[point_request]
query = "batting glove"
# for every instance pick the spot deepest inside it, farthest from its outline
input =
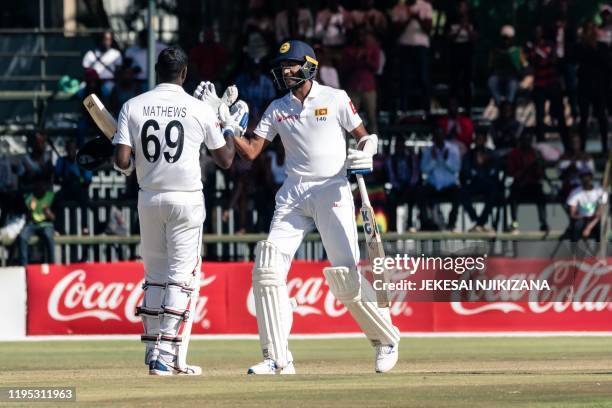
(360, 160)
(207, 93)
(235, 119)
(126, 172)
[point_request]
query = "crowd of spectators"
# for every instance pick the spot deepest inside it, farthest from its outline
(382, 58)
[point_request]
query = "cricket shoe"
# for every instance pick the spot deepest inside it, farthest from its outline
(160, 367)
(386, 358)
(269, 367)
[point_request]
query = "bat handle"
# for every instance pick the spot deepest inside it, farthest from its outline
(365, 200)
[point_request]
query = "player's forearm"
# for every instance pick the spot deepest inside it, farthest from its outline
(246, 148)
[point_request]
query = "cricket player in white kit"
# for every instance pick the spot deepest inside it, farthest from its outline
(311, 120)
(163, 130)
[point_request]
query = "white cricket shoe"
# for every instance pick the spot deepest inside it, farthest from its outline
(268, 367)
(160, 367)
(386, 357)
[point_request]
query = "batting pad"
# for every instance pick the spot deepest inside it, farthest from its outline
(344, 283)
(270, 294)
(149, 313)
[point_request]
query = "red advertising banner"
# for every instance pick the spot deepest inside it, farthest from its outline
(102, 298)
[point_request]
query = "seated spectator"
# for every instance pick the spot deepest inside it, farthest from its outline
(37, 162)
(505, 129)
(256, 88)
(360, 60)
(571, 164)
(208, 59)
(480, 178)
(138, 55)
(39, 220)
(457, 127)
(372, 19)
(586, 204)
(546, 84)
(525, 166)
(74, 185)
(104, 59)
(126, 87)
(8, 184)
(294, 23)
(604, 30)
(440, 165)
(593, 80)
(404, 175)
(506, 63)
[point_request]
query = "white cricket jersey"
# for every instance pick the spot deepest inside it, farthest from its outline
(165, 128)
(312, 133)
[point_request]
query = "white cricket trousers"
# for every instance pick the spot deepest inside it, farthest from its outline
(170, 234)
(325, 204)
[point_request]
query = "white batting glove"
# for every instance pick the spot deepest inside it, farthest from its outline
(235, 119)
(126, 172)
(361, 160)
(207, 93)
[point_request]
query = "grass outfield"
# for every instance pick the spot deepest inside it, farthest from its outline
(432, 372)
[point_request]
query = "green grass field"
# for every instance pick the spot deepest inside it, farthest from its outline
(432, 372)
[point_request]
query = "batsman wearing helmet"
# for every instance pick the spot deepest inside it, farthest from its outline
(311, 120)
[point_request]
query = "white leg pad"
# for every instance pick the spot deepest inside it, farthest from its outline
(270, 295)
(345, 285)
(149, 313)
(175, 321)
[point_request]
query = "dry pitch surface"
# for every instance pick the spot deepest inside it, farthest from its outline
(432, 372)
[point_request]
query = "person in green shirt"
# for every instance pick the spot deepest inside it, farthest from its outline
(40, 219)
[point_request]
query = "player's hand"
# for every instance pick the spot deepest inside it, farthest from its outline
(235, 119)
(207, 93)
(359, 161)
(126, 172)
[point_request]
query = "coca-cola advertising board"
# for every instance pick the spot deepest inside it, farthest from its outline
(102, 298)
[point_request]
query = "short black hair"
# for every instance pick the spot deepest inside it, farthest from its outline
(170, 63)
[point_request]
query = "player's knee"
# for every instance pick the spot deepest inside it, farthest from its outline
(268, 265)
(344, 283)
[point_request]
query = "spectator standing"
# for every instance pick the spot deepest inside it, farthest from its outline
(457, 127)
(546, 84)
(327, 73)
(372, 19)
(256, 89)
(564, 31)
(480, 177)
(37, 162)
(294, 22)
(361, 59)
(40, 219)
(104, 58)
(412, 19)
(604, 30)
(586, 204)
(138, 54)
(440, 165)
(505, 129)
(524, 165)
(331, 27)
(593, 79)
(209, 58)
(506, 63)
(462, 34)
(126, 87)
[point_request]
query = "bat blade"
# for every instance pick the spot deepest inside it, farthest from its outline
(100, 115)
(373, 241)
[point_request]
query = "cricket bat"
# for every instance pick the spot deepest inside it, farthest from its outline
(98, 112)
(373, 241)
